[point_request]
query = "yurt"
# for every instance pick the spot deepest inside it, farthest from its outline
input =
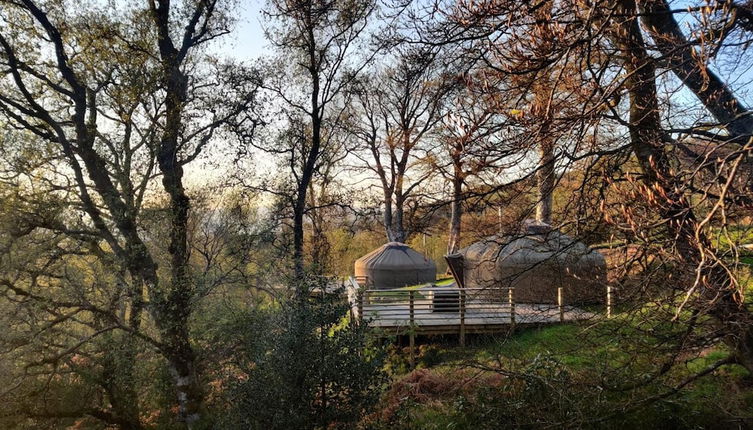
(395, 265)
(535, 262)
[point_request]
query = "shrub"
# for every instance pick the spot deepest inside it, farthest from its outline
(306, 367)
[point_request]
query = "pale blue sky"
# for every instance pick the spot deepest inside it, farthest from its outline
(247, 41)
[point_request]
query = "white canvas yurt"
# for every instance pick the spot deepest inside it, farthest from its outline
(535, 262)
(395, 265)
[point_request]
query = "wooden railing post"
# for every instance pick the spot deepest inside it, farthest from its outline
(512, 305)
(412, 328)
(462, 316)
(561, 304)
(359, 303)
(609, 302)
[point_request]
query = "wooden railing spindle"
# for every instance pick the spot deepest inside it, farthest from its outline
(412, 328)
(462, 316)
(359, 303)
(609, 302)
(512, 305)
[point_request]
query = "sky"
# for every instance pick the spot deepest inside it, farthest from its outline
(247, 42)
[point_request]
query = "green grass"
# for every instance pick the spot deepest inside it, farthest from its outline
(398, 293)
(564, 341)
(444, 282)
(734, 235)
(439, 283)
(616, 347)
(401, 292)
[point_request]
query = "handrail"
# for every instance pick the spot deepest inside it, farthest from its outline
(468, 295)
(425, 289)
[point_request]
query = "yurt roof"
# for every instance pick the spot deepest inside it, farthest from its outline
(394, 255)
(529, 247)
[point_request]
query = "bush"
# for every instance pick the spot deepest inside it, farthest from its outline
(306, 367)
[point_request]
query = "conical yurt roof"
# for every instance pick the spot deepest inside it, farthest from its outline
(395, 265)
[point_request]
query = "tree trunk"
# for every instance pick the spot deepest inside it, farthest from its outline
(704, 83)
(398, 228)
(307, 176)
(717, 289)
(545, 174)
(298, 209)
(174, 312)
(456, 213)
(173, 306)
(183, 371)
(387, 219)
(545, 179)
(311, 156)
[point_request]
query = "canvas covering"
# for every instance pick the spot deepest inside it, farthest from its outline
(536, 264)
(395, 265)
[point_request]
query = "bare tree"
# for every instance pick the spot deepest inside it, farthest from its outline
(691, 66)
(398, 112)
(317, 43)
(473, 138)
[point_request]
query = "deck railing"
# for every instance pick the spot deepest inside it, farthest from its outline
(436, 306)
(432, 304)
(435, 310)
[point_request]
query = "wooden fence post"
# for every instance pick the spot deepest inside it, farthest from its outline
(462, 316)
(609, 302)
(411, 333)
(561, 304)
(512, 305)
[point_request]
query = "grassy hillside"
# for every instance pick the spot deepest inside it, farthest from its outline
(564, 376)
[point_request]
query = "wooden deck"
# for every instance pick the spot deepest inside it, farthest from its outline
(452, 310)
(478, 318)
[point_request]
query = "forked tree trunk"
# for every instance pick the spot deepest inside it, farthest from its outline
(679, 54)
(173, 307)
